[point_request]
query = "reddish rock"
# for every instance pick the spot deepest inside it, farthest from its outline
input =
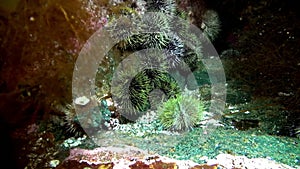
(124, 158)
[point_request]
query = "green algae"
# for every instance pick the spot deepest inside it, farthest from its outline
(243, 143)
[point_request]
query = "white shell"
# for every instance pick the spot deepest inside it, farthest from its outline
(82, 101)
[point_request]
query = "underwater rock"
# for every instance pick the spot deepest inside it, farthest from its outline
(127, 158)
(231, 161)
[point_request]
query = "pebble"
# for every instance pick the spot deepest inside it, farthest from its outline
(54, 163)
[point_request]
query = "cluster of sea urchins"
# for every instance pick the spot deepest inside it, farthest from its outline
(131, 93)
(134, 88)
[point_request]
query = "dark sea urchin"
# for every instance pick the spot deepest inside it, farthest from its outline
(165, 6)
(138, 32)
(71, 121)
(133, 96)
(210, 24)
(80, 119)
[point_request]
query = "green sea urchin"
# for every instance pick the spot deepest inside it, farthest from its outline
(181, 113)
